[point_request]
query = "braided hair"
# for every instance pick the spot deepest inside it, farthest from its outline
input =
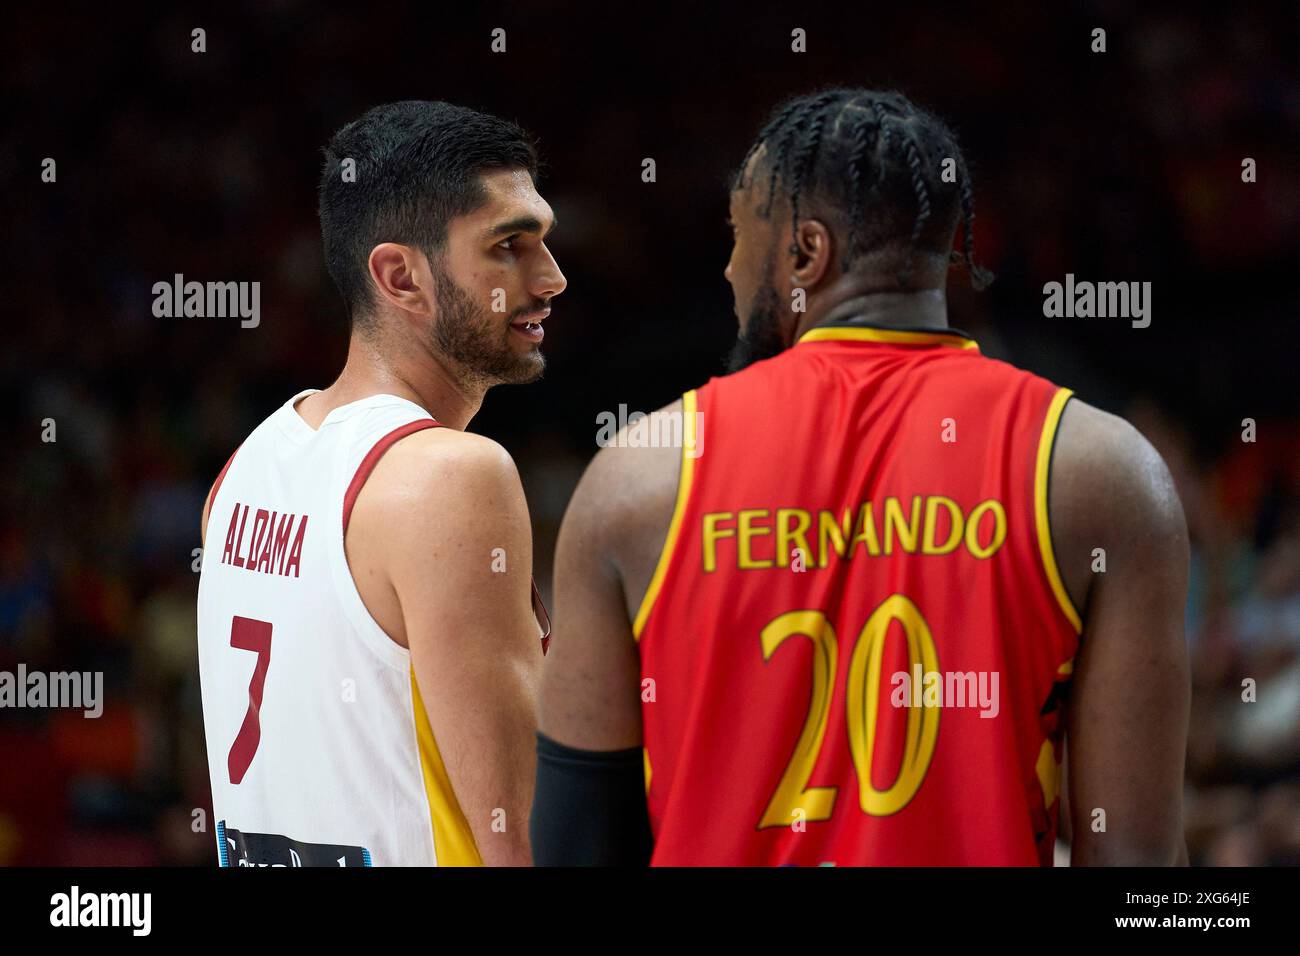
(875, 160)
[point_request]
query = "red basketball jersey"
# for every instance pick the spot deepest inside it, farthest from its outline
(856, 645)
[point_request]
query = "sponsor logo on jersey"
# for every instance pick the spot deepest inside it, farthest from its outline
(270, 849)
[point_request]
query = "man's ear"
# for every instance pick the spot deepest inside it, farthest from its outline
(402, 276)
(812, 249)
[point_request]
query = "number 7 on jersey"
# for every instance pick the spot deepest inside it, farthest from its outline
(247, 634)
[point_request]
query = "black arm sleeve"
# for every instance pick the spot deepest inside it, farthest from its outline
(589, 808)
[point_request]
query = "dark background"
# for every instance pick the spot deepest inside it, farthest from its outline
(1117, 166)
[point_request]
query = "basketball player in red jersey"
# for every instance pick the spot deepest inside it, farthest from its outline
(853, 619)
(390, 714)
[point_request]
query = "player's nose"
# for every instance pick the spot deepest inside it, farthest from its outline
(550, 280)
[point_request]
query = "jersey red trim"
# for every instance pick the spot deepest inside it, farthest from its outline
(368, 465)
(543, 616)
(372, 458)
(216, 485)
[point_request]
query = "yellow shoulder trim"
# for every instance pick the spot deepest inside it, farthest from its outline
(679, 511)
(1042, 518)
(887, 336)
(453, 841)
(1049, 774)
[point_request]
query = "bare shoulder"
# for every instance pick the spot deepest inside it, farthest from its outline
(439, 495)
(1103, 459)
(624, 503)
(634, 462)
(440, 470)
(1110, 489)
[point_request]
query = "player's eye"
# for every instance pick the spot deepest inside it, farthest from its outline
(508, 243)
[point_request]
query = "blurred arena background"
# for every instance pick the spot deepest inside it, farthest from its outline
(1118, 166)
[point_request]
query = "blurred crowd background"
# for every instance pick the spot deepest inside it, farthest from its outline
(1123, 165)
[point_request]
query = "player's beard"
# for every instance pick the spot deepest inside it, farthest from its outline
(477, 341)
(761, 337)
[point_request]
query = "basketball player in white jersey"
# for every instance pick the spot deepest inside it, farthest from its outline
(368, 628)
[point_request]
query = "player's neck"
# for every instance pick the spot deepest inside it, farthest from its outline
(417, 376)
(922, 309)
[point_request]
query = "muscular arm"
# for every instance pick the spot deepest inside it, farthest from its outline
(591, 806)
(421, 545)
(1128, 711)
(609, 545)
(589, 694)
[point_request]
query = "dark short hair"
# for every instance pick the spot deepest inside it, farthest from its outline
(875, 160)
(417, 167)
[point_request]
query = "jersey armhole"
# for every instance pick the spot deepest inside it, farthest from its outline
(1042, 511)
(377, 452)
(684, 480)
(211, 501)
(374, 636)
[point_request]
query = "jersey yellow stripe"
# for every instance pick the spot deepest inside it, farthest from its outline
(887, 336)
(1042, 517)
(453, 841)
(1049, 773)
(679, 510)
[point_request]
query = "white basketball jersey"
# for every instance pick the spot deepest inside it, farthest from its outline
(319, 749)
